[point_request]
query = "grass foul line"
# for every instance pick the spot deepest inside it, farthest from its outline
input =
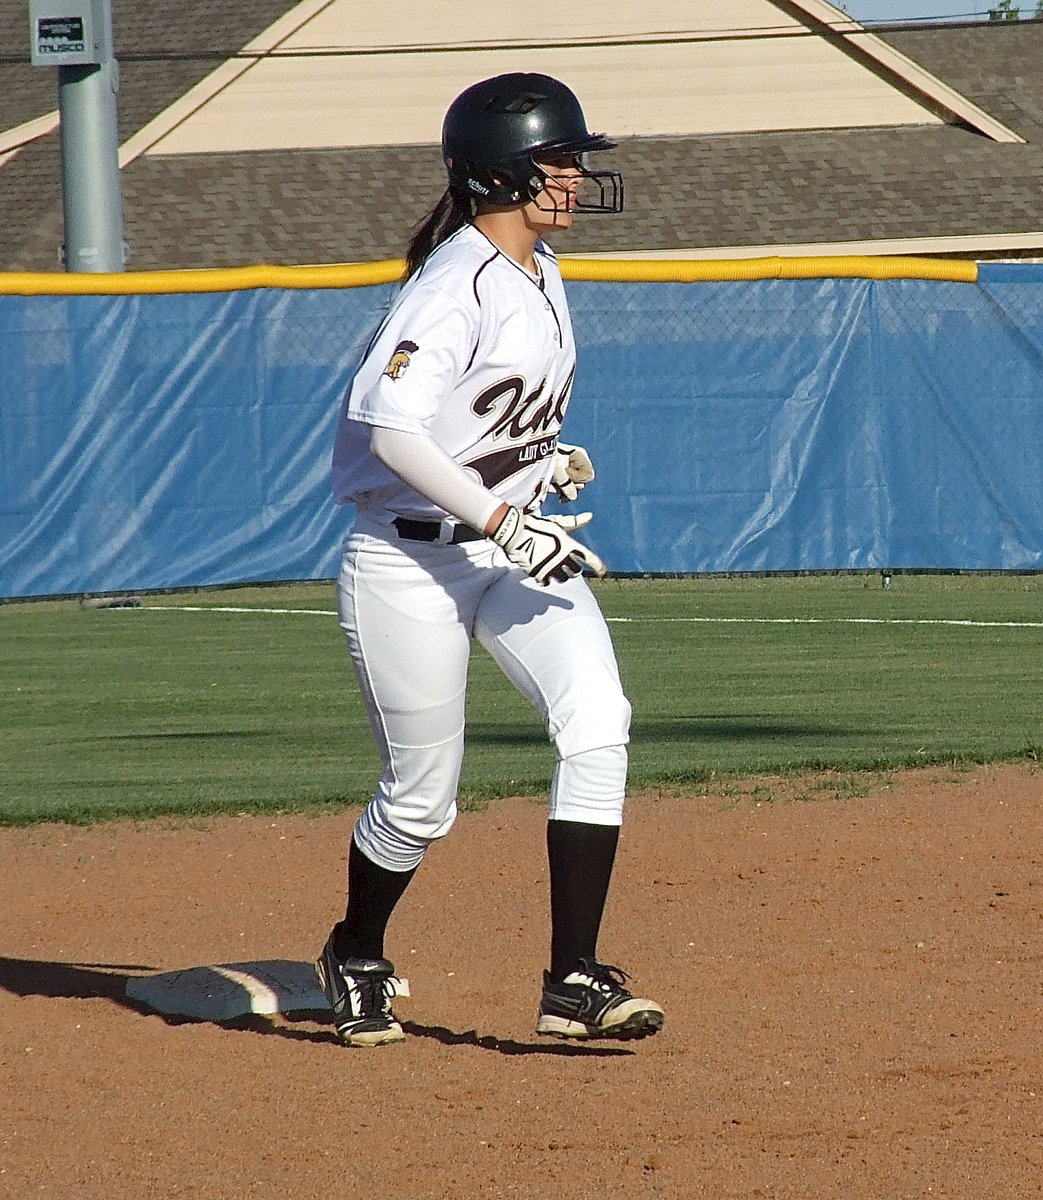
(327, 612)
(279, 612)
(834, 621)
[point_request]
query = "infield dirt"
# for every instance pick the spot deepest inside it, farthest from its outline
(851, 968)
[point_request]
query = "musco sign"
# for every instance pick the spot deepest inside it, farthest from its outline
(69, 32)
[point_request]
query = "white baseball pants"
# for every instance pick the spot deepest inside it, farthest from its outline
(409, 611)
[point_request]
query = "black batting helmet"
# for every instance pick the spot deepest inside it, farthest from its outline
(494, 132)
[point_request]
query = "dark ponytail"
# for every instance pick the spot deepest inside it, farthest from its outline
(452, 212)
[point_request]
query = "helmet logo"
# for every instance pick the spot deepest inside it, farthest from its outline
(399, 360)
(521, 104)
(475, 186)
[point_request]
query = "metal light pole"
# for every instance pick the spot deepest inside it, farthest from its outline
(76, 36)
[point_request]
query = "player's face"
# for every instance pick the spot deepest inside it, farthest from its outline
(553, 207)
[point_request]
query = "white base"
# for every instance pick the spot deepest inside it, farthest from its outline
(222, 993)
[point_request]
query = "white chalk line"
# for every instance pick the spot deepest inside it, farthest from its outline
(837, 621)
(279, 612)
(326, 612)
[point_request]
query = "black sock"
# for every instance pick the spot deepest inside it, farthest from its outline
(373, 892)
(581, 857)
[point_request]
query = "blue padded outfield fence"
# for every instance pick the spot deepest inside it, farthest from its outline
(179, 435)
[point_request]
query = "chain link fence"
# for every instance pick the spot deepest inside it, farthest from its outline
(155, 441)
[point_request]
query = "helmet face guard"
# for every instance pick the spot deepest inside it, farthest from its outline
(498, 135)
(599, 191)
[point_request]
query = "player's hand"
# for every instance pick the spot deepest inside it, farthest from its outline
(542, 546)
(573, 470)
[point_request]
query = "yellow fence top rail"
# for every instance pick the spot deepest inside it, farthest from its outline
(646, 270)
(216, 279)
(720, 270)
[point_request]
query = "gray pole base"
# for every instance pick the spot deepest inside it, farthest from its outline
(91, 191)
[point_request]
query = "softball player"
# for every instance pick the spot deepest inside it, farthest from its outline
(447, 446)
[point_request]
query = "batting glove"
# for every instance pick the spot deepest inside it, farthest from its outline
(573, 470)
(541, 546)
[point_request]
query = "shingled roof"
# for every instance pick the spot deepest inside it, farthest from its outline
(707, 193)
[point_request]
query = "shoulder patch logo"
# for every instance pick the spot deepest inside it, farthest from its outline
(400, 359)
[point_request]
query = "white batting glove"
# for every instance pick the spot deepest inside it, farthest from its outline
(573, 470)
(542, 547)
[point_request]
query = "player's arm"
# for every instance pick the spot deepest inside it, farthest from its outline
(539, 545)
(427, 468)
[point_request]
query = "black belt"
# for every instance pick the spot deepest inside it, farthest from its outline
(431, 531)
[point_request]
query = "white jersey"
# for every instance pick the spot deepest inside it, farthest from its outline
(476, 353)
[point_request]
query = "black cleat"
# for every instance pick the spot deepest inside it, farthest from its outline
(592, 1002)
(359, 991)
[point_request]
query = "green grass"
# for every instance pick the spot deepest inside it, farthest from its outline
(129, 712)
